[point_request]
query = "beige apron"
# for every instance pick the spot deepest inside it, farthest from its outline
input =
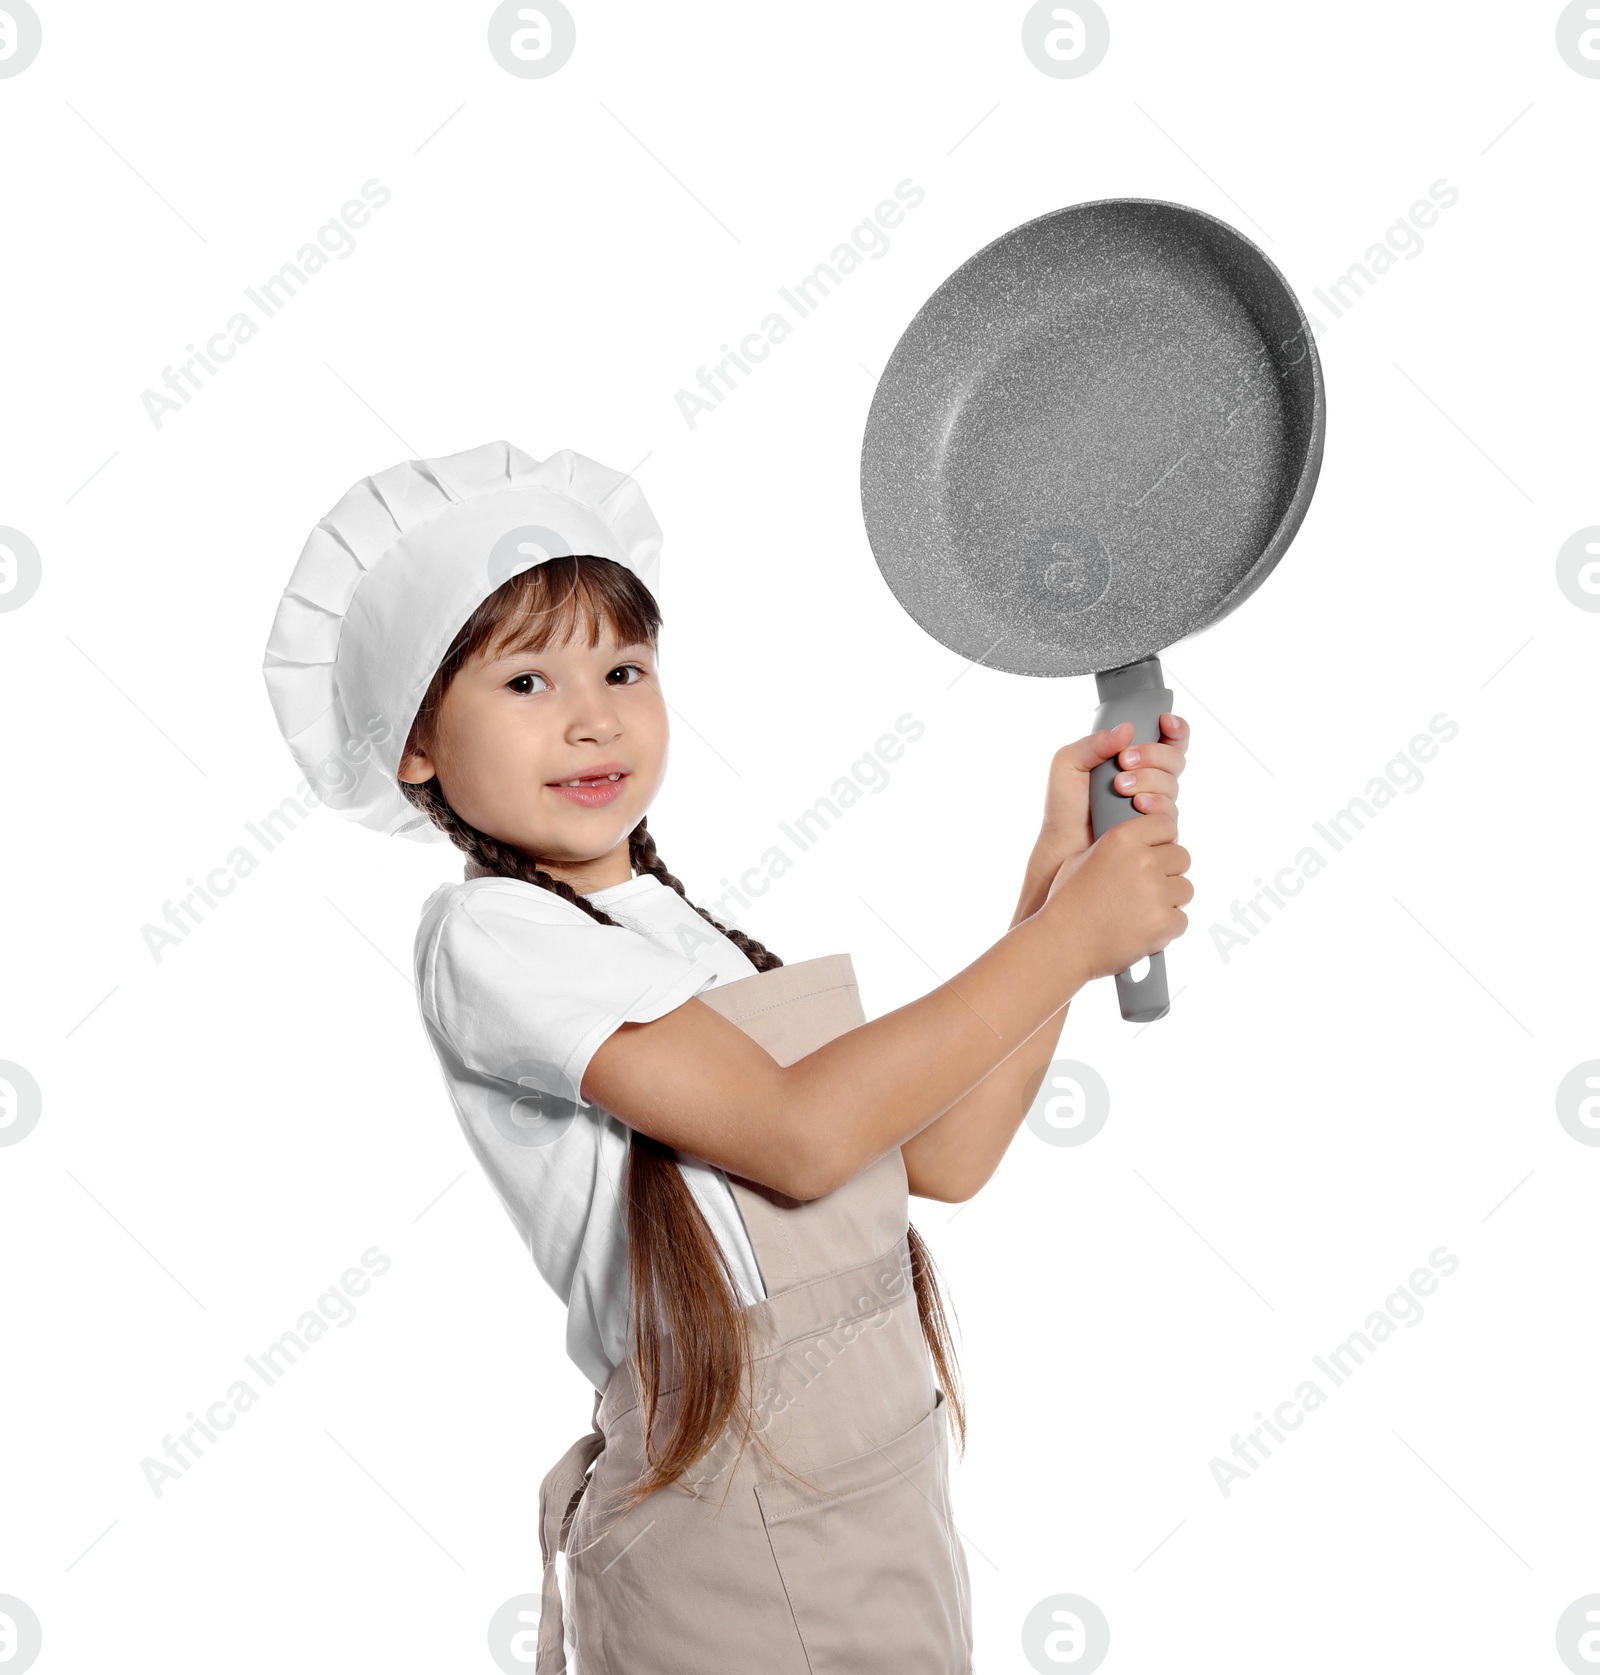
(864, 1573)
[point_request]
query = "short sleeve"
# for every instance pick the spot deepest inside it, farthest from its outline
(525, 989)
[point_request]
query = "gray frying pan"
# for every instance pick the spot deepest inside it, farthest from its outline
(1096, 437)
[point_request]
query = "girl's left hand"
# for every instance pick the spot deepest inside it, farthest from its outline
(1154, 769)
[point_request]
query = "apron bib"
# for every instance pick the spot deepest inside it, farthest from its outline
(857, 1570)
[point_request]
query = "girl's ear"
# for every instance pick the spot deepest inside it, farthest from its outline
(416, 767)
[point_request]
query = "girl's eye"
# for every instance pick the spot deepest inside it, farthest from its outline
(515, 683)
(622, 666)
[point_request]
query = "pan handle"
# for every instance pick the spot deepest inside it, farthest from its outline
(1135, 693)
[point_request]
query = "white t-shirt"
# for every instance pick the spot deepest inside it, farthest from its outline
(517, 990)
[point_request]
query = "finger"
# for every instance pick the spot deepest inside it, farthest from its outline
(1174, 857)
(1146, 779)
(1147, 754)
(1169, 751)
(1094, 748)
(1153, 802)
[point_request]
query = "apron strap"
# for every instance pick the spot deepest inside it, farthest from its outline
(559, 1495)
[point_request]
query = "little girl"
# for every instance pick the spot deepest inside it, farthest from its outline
(707, 1151)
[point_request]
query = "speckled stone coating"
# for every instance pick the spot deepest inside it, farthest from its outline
(1097, 436)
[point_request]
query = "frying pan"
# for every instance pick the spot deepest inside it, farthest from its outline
(1096, 437)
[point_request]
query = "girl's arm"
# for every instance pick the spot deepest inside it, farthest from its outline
(696, 1081)
(955, 1155)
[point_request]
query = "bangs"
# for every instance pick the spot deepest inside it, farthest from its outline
(542, 607)
(550, 604)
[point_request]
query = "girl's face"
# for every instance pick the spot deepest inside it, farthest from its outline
(514, 726)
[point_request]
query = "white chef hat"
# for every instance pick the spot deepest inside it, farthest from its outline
(385, 582)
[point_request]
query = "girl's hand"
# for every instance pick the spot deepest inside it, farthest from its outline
(1123, 897)
(1154, 786)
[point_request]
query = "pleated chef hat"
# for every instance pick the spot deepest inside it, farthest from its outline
(387, 578)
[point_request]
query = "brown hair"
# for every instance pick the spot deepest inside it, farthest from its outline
(673, 1255)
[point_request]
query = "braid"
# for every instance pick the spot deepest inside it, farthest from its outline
(503, 860)
(642, 848)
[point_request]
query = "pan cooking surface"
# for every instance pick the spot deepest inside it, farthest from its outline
(1096, 437)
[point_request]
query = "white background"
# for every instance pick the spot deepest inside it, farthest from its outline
(1373, 1076)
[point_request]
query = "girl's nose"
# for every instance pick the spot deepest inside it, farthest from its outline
(593, 719)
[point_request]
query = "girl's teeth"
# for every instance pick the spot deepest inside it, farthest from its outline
(609, 778)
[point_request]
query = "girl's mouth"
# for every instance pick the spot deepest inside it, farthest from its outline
(591, 793)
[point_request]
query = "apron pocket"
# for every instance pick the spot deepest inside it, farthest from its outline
(873, 1568)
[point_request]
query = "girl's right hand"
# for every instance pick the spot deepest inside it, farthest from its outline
(1120, 899)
